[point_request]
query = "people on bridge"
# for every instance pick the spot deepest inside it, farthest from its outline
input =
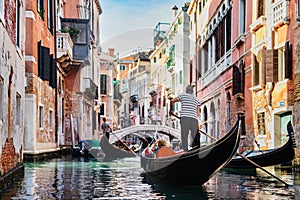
(190, 111)
(106, 128)
(132, 116)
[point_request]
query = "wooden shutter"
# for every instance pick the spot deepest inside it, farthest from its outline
(288, 60)
(46, 63)
(53, 73)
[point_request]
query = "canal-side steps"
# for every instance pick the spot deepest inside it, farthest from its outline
(32, 156)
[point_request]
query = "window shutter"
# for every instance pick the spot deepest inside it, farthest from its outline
(53, 73)
(288, 60)
(46, 63)
(40, 60)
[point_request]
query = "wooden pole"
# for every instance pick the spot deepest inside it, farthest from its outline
(252, 162)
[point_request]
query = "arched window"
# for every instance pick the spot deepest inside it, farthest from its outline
(218, 119)
(205, 117)
(228, 111)
(212, 120)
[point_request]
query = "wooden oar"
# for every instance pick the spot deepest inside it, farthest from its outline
(252, 162)
(123, 143)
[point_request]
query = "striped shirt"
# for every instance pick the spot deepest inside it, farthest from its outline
(189, 105)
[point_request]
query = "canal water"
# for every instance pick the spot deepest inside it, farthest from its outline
(67, 178)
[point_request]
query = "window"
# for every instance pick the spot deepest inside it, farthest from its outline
(102, 109)
(1, 98)
(63, 115)
(261, 123)
(228, 31)
(122, 67)
(260, 8)
(154, 60)
(18, 109)
(298, 10)
(228, 112)
(51, 119)
(41, 116)
(2, 11)
(40, 8)
(258, 78)
(18, 25)
(281, 64)
(50, 15)
(242, 17)
(103, 87)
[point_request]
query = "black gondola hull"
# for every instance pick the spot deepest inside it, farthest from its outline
(265, 158)
(195, 166)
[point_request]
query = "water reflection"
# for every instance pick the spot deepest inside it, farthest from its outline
(123, 179)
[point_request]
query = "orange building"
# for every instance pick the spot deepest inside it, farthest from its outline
(40, 131)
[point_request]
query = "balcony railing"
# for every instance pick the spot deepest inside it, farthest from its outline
(64, 44)
(280, 12)
(91, 89)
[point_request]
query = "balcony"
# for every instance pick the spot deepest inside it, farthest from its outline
(260, 22)
(117, 94)
(91, 89)
(64, 45)
(280, 12)
(152, 88)
(80, 34)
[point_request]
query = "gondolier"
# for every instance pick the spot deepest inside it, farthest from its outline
(190, 110)
(106, 128)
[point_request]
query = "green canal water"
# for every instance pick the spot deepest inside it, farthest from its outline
(67, 178)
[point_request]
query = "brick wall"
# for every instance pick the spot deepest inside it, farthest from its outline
(296, 110)
(9, 159)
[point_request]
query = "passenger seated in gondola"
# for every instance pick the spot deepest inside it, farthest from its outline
(161, 149)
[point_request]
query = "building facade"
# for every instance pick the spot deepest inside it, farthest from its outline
(40, 132)
(12, 90)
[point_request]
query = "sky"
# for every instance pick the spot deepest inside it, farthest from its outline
(127, 25)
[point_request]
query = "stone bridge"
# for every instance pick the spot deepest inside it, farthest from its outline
(145, 130)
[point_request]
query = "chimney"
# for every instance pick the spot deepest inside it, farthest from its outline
(111, 52)
(175, 10)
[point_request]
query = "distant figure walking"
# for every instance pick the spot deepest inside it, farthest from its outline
(106, 128)
(132, 117)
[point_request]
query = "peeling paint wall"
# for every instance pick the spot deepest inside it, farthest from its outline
(12, 73)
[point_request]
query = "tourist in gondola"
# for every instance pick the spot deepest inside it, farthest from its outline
(161, 149)
(190, 110)
(106, 128)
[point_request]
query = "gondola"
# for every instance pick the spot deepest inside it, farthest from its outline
(88, 149)
(113, 152)
(197, 165)
(265, 158)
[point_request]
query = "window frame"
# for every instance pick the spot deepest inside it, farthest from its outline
(242, 18)
(281, 63)
(41, 117)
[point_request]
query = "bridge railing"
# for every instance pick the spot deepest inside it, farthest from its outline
(144, 128)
